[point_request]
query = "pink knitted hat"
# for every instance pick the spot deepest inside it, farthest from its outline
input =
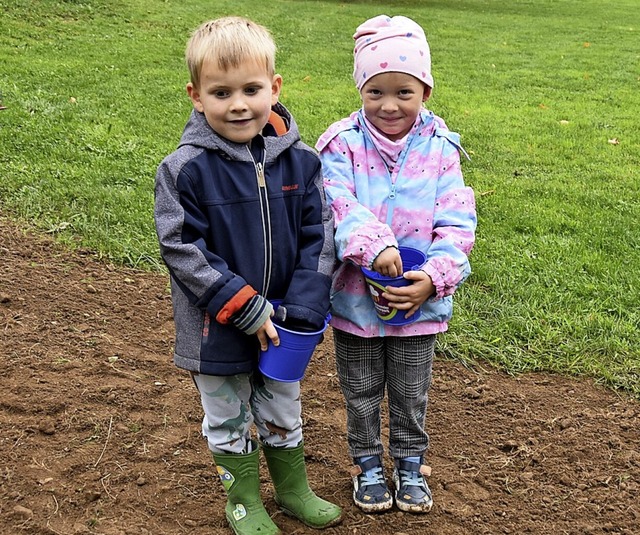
(391, 44)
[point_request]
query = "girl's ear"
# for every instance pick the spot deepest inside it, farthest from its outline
(194, 95)
(427, 93)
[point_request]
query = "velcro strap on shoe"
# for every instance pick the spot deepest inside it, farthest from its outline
(374, 462)
(355, 471)
(409, 466)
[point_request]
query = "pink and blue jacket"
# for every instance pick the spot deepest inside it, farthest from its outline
(422, 203)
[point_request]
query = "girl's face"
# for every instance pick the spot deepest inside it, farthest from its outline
(392, 101)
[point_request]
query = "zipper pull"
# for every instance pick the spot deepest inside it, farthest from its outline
(392, 193)
(260, 172)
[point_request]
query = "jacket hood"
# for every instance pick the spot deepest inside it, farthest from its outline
(198, 133)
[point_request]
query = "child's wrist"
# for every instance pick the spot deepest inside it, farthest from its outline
(253, 315)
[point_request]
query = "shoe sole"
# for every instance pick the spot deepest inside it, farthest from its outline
(373, 507)
(414, 507)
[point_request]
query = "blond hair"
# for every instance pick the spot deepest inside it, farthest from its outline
(229, 42)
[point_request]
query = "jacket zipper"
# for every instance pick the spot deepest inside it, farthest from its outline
(260, 173)
(266, 222)
(392, 185)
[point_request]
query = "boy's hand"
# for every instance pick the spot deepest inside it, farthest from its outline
(267, 332)
(388, 262)
(410, 298)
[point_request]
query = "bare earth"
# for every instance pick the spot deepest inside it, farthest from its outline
(100, 432)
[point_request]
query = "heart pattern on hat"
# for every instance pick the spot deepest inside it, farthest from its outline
(391, 44)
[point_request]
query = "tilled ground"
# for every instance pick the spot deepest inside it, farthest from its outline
(100, 432)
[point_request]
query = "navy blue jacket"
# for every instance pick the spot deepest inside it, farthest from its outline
(228, 215)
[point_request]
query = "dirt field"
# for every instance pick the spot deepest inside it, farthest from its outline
(100, 432)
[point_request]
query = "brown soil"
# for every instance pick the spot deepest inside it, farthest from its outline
(100, 432)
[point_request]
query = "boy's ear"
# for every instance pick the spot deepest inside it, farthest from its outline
(194, 95)
(427, 93)
(276, 87)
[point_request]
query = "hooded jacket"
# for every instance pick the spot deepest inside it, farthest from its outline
(235, 220)
(422, 203)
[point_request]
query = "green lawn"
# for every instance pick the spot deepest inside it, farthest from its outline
(546, 95)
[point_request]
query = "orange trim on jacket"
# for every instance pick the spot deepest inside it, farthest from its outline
(234, 304)
(278, 123)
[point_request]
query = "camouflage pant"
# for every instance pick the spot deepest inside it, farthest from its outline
(233, 403)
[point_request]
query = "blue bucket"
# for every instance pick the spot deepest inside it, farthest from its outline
(411, 259)
(288, 361)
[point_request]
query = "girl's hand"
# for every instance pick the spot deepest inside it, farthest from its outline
(388, 262)
(267, 332)
(411, 297)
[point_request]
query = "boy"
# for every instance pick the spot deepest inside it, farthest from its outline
(241, 220)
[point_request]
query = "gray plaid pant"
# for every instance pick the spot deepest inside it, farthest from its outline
(365, 367)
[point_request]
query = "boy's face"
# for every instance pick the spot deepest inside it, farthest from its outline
(392, 101)
(236, 102)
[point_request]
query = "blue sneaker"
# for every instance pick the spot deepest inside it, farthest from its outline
(370, 491)
(412, 493)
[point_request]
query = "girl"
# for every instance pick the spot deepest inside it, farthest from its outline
(392, 177)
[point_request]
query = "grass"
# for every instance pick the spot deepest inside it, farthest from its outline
(545, 94)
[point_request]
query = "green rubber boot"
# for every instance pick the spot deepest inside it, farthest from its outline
(292, 492)
(244, 510)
